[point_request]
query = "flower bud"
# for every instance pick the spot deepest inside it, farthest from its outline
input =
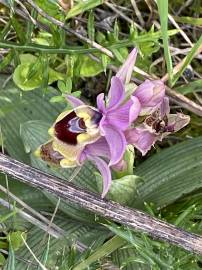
(150, 95)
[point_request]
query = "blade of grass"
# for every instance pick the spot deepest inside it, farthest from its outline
(10, 265)
(34, 256)
(106, 249)
(187, 60)
(83, 6)
(189, 20)
(163, 13)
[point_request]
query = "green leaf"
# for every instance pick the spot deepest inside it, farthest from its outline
(187, 60)
(58, 99)
(11, 261)
(106, 249)
(29, 105)
(7, 60)
(191, 87)
(2, 259)
(189, 20)
(50, 7)
(38, 242)
(89, 67)
(30, 73)
(18, 29)
(170, 174)
(65, 86)
(83, 6)
(163, 12)
(3, 245)
(15, 239)
(122, 190)
(105, 61)
(91, 26)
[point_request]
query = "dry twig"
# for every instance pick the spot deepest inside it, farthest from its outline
(135, 219)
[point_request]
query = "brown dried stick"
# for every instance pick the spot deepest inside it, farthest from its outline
(135, 219)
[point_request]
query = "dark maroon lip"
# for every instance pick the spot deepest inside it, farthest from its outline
(69, 128)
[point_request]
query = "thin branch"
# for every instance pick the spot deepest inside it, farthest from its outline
(63, 26)
(122, 15)
(31, 219)
(135, 219)
(137, 12)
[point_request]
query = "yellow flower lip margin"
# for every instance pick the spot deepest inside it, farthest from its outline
(70, 153)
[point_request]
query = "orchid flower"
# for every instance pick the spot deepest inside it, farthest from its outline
(85, 133)
(156, 127)
(102, 134)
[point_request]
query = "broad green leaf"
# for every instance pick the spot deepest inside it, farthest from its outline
(37, 241)
(89, 67)
(29, 105)
(26, 58)
(30, 73)
(170, 174)
(50, 7)
(122, 190)
(13, 114)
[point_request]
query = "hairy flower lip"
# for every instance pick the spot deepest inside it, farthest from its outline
(156, 127)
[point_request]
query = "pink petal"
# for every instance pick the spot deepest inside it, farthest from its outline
(105, 172)
(141, 138)
(150, 95)
(164, 107)
(134, 109)
(123, 116)
(120, 166)
(116, 93)
(101, 103)
(125, 72)
(75, 102)
(98, 148)
(117, 143)
(144, 92)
